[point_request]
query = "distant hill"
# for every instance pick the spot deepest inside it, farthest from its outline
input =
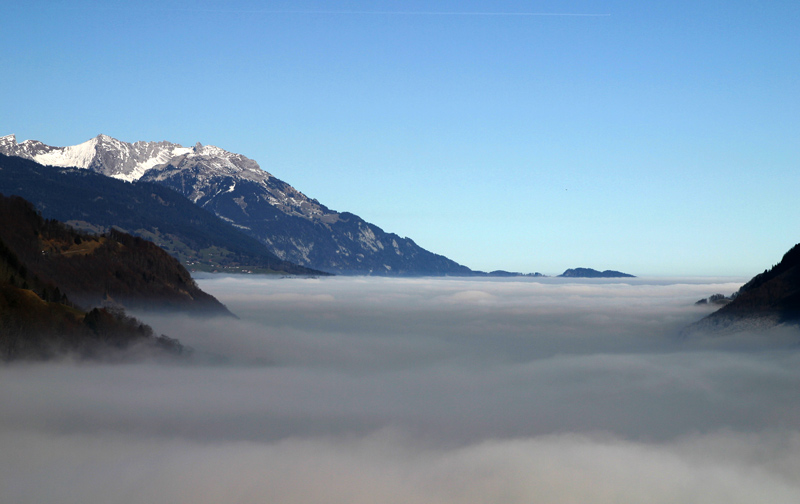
(592, 273)
(85, 199)
(93, 270)
(768, 299)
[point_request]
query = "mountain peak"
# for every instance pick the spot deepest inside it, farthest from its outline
(103, 154)
(105, 139)
(293, 226)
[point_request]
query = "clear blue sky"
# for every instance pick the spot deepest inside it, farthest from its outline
(649, 137)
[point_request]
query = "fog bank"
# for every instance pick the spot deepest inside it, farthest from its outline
(419, 390)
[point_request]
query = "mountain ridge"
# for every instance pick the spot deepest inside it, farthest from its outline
(97, 203)
(293, 226)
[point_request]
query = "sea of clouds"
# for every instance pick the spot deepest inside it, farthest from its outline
(376, 390)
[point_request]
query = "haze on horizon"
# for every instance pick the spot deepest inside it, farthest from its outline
(364, 390)
(654, 138)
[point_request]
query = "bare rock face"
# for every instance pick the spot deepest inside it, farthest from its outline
(293, 226)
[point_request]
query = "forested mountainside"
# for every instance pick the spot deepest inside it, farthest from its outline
(32, 328)
(91, 201)
(38, 321)
(768, 299)
(113, 267)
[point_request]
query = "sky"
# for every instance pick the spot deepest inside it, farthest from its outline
(654, 138)
(418, 391)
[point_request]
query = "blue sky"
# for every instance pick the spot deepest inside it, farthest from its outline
(656, 138)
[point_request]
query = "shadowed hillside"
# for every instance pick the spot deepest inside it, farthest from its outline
(768, 299)
(113, 267)
(38, 321)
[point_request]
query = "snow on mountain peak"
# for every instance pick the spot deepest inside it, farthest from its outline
(102, 153)
(129, 162)
(8, 144)
(79, 156)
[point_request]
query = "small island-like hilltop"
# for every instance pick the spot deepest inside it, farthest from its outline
(593, 273)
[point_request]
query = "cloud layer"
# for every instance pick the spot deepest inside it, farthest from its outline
(424, 390)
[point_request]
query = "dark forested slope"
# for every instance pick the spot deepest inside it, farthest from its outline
(768, 299)
(92, 270)
(38, 321)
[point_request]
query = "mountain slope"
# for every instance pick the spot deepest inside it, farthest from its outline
(32, 328)
(768, 299)
(39, 321)
(294, 227)
(93, 270)
(86, 199)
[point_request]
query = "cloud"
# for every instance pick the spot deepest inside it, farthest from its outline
(388, 468)
(408, 322)
(418, 390)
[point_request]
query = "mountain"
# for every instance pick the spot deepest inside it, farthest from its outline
(39, 321)
(592, 273)
(94, 202)
(32, 328)
(101, 154)
(768, 299)
(93, 270)
(293, 226)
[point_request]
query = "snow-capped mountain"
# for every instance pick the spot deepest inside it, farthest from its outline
(205, 165)
(294, 227)
(102, 154)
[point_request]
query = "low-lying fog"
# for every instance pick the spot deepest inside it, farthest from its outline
(373, 390)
